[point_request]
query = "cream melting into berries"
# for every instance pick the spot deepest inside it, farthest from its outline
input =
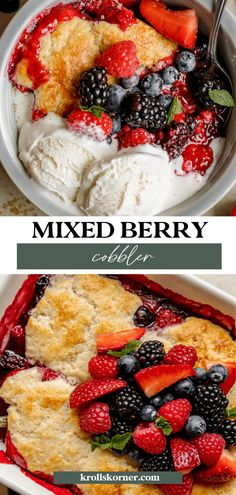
(178, 107)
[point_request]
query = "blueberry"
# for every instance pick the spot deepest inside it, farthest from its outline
(185, 388)
(129, 82)
(152, 84)
(165, 100)
(148, 413)
(136, 455)
(167, 398)
(128, 366)
(115, 98)
(157, 402)
(195, 426)
(185, 61)
(170, 75)
(143, 317)
(200, 376)
(217, 373)
(116, 124)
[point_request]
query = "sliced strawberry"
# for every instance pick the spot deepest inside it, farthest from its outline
(184, 489)
(154, 379)
(224, 470)
(13, 313)
(180, 26)
(117, 340)
(92, 389)
(185, 455)
(231, 378)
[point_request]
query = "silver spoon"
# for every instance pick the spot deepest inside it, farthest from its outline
(213, 38)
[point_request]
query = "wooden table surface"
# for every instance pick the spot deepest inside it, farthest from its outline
(13, 202)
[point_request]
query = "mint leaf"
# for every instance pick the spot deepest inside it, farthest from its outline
(102, 441)
(133, 345)
(176, 107)
(164, 425)
(119, 442)
(222, 97)
(230, 413)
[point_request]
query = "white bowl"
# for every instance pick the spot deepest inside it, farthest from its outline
(188, 286)
(219, 183)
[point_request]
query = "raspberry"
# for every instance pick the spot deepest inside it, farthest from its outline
(128, 137)
(149, 438)
(120, 60)
(166, 317)
(185, 455)
(95, 418)
(111, 11)
(210, 447)
(181, 354)
(197, 158)
(92, 122)
(103, 367)
(177, 413)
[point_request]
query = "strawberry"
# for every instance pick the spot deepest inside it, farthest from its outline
(224, 470)
(184, 489)
(233, 212)
(149, 438)
(120, 59)
(93, 122)
(181, 354)
(49, 375)
(177, 413)
(166, 317)
(95, 418)
(180, 26)
(129, 137)
(103, 367)
(231, 378)
(154, 379)
(13, 313)
(92, 389)
(117, 340)
(210, 447)
(185, 455)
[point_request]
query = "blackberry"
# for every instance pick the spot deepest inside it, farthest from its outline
(128, 403)
(175, 139)
(204, 81)
(10, 361)
(41, 286)
(210, 403)
(93, 88)
(145, 111)
(120, 426)
(162, 462)
(228, 432)
(150, 353)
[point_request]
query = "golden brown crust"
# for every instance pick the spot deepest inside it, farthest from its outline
(62, 330)
(73, 48)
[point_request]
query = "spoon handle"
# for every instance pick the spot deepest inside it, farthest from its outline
(212, 47)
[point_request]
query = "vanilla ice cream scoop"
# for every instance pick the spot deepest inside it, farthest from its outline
(55, 157)
(132, 183)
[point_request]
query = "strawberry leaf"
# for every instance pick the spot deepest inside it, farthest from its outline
(176, 107)
(133, 345)
(164, 425)
(222, 97)
(96, 111)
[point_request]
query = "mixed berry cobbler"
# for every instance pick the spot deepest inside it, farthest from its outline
(118, 106)
(118, 374)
